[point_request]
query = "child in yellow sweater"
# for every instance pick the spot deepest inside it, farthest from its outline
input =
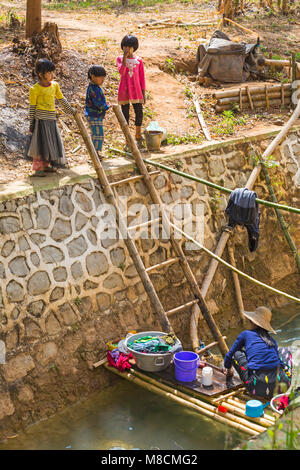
(46, 146)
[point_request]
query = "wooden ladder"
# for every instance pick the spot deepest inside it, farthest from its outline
(167, 225)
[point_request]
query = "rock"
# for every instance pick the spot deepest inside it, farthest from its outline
(83, 201)
(35, 259)
(103, 301)
(52, 325)
(14, 291)
(39, 283)
(96, 264)
(23, 243)
(38, 238)
(43, 217)
(186, 192)
(216, 166)
(131, 271)
(36, 308)
(61, 230)
(57, 293)
(8, 248)
(113, 281)
(160, 182)
(117, 256)
(17, 367)
(92, 236)
(2, 93)
(6, 406)
(77, 247)
(141, 188)
(60, 274)
(18, 266)
(66, 206)
(67, 314)
(25, 394)
(90, 285)
(46, 353)
(90, 336)
(2, 271)
(52, 254)
(26, 219)
(15, 314)
(76, 270)
(33, 332)
(80, 221)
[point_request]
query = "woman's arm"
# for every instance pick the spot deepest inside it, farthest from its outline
(237, 345)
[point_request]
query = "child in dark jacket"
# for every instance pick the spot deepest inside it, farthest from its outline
(96, 106)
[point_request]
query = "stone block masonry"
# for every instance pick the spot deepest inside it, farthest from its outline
(68, 285)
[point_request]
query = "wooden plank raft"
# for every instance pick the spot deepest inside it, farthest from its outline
(221, 383)
(226, 409)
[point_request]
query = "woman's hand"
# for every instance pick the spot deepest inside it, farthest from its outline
(227, 372)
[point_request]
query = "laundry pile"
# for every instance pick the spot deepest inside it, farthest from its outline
(153, 344)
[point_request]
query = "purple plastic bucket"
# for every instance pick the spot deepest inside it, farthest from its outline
(186, 364)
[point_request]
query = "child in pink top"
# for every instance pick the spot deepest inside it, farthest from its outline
(132, 82)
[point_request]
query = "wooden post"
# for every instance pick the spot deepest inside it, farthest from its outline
(236, 282)
(156, 304)
(294, 75)
(33, 17)
(267, 98)
(249, 98)
(281, 219)
(166, 223)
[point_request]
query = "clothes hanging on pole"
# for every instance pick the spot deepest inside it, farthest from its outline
(242, 209)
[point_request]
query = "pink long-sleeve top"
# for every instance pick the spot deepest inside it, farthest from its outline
(132, 81)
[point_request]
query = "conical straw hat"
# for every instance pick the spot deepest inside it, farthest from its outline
(261, 317)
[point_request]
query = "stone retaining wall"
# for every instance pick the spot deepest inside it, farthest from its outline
(66, 289)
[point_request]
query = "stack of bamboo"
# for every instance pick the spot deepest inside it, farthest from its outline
(255, 97)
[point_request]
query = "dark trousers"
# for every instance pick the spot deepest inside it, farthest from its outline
(264, 382)
(138, 110)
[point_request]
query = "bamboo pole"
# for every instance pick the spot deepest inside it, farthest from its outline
(156, 304)
(194, 401)
(241, 100)
(246, 276)
(237, 286)
(201, 120)
(242, 405)
(254, 91)
(241, 27)
(281, 220)
(253, 175)
(166, 223)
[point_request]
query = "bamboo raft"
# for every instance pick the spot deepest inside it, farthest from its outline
(227, 407)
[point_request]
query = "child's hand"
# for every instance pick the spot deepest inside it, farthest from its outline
(144, 96)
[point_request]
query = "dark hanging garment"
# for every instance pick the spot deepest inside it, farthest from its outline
(242, 209)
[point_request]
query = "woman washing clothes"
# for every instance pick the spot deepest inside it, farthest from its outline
(256, 357)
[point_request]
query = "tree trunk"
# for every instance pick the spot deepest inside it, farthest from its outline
(33, 17)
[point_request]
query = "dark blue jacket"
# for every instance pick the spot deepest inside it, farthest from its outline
(95, 102)
(259, 354)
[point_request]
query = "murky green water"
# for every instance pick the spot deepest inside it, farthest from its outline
(129, 417)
